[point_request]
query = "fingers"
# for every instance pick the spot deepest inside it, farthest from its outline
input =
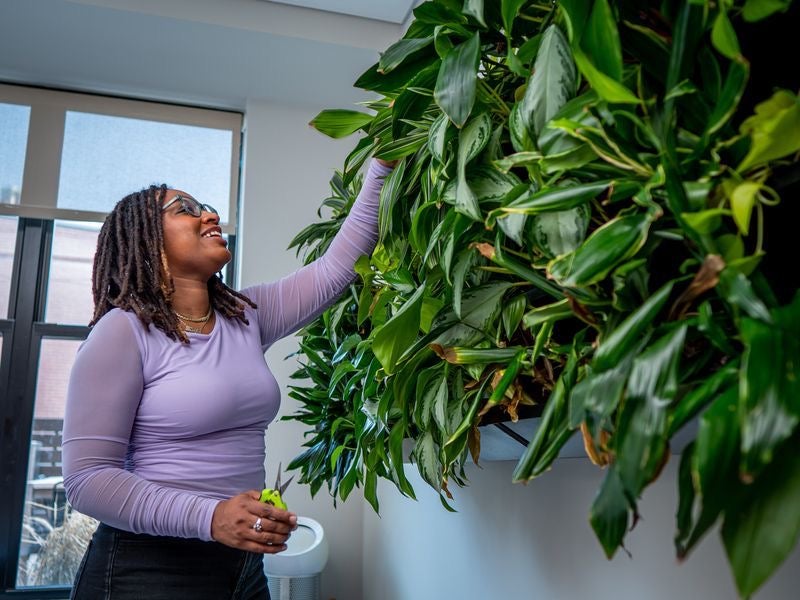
(261, 548)
(270, 538)
(268, 511)
(234, 520)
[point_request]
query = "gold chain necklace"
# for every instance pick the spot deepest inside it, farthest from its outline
(186, 320)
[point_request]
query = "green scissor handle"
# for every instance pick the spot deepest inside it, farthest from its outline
(274, 495)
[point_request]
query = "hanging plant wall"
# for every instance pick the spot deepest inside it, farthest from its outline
(575, 230)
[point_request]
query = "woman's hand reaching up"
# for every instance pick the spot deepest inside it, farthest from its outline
(388, 163)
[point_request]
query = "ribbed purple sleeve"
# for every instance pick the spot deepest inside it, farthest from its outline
(103, 396)
(156, 432)
(289, 303)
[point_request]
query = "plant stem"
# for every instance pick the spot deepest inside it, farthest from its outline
(500, 103)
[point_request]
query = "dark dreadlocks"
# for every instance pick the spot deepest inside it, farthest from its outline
(131, 271)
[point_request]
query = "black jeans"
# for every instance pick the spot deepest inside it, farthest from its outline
(119, 565)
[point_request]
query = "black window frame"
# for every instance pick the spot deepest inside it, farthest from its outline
(23, 328)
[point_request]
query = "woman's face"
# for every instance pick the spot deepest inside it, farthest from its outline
(194, 246)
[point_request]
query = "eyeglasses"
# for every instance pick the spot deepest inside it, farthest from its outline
(190, 206)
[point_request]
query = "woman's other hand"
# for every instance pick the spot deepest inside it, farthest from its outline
(234, 519)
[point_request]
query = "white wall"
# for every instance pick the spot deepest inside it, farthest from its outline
(288, 166)
(524, 542)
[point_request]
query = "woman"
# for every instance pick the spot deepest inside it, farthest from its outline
(169, 398)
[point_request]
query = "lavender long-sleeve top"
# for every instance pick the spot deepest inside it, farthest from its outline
(157, 432)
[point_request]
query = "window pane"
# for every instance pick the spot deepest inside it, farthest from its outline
(69, 286)
(106, 158)
(13, 141)
(54, 537)
(8, 244)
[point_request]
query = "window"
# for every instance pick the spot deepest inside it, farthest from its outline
(98, 167)
(69, 286)
(83, 154)
(13, 139)
(8, 241)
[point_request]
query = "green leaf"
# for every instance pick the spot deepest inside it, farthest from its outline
(437, 137)
(723, 36)
(606, 87)
(427, 459)
(620, 341)
(576, 13)
(512, 314)
(774, 129)
(397, 149)
(456, 443)
(374, 81)
(399, 51)
(556, 199)
(737, 289)
(525, 272)
(465, 262)
(769, 391)
(471, 141)
(510, 10)
(686, 500)
(389, 195)
(521, 139)
(475, 356)
(609, 513)
(597, 395)
(473, 138)
(600, 40)
(693, 402)
(705, 221)
(457, 82)
(350, 342)
(506, 163)
(560, 232)
(764, 530)
(337, 123)
(714, 465)
(432, 395)
(487, 183)
(430, 308)
(371, 489)
(689, 27)
(399, 332)
(553, 431)
(552, 83)
(684, 88)
(553, 142)
(743, 199)
(396, 437)
(609, 245)
(513, 226)
(756, 10)
(437, 13)
(731, 94)
(412, 101)
(551, 312)
(508, 377)
(474, 9)
(479, 307)
(640, 440)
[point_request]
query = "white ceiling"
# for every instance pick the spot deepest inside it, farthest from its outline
(219, 53)
(393, 11)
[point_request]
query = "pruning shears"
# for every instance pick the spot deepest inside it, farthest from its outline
(274, 495)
